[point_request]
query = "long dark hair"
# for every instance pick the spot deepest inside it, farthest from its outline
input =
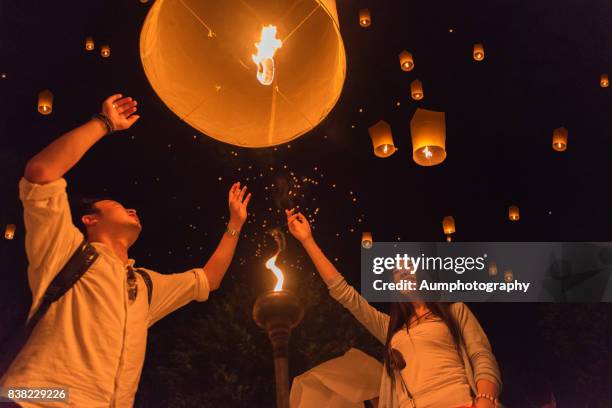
(400, 315)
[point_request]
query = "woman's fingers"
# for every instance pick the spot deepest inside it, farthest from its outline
(291, 219)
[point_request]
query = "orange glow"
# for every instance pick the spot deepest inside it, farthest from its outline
(264, 59)
(9, 232)
(365, 19)
(604, 82)
(271, 265)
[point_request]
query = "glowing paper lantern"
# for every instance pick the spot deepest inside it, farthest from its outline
(513, 213)
(604, 82)
(478, 52)
(559, 142)
(382, 139)
(366, 240)
(9, 232)
(365, 19)
(89, 44)
(406, 61)
(45, 102)
(105, 51)
(492, 269)
(197, 55)
(448, 226)
(416, 90)
(428, 131)
(508, 276)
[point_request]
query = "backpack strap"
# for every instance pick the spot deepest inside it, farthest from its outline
(147, 280)
(77, 265)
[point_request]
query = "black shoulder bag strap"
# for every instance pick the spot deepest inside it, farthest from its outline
(77, 265)
(147, 280)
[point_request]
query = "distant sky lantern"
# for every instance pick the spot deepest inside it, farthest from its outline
(513, 213)
(45, 102)
(416, 90)
(478, 53)
(105, 51)
(89, 44)
(604, 82)
(448, 226)
(508, 275)
(492, 269)
(382, 139)
(406, 61)
(198, 58)
(9, 232)
(428, 132)
(365, 19)
(559, 142)
(264, 59)
(366, 240)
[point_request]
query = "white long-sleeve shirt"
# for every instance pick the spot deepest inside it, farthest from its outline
(93, 339)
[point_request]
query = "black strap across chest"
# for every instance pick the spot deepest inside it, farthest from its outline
(80, 261)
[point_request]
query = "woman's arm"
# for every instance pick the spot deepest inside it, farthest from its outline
(373, 320)
(486, 370)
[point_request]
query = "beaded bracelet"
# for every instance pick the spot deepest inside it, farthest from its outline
(104, 119)
(491, 398)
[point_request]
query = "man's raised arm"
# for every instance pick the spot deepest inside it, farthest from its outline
(62, 154)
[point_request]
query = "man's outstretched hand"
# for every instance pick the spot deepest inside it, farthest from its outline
(120, 111)
(238, 206)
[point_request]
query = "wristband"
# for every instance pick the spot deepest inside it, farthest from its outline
(104, 119)
(232, 231)
(491, 398)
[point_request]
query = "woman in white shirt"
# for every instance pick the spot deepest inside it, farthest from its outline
(436, 354)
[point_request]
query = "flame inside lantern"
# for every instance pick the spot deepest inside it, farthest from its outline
(271, 265)
(266, 48)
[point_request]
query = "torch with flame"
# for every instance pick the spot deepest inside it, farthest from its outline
(264, 59)
(271, 263)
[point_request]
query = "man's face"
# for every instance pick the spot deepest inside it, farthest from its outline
(112, 216)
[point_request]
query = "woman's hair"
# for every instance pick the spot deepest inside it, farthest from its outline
(400, 315)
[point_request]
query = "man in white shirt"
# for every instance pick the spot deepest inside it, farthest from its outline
(92, 340)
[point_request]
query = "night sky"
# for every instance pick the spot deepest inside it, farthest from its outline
(541, 71)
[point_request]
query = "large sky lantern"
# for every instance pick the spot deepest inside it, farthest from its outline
(382, 139)
(448, 226)
(365, 18)
(604, 82)
(428, 132)
(406, 61)
(45, 102)
(416, 90)
(248, 74)
(559, 142)
(478, 52)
